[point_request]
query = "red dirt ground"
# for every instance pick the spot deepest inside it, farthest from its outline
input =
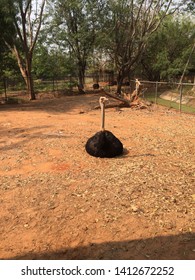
(57, 202)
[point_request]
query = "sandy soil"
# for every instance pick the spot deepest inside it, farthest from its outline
(57, 202)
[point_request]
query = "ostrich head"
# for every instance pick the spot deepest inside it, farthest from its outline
(102, 102)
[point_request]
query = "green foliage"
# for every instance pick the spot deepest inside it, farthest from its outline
(8, 65)
(171, 104)
(131, 24)
(190, 6)
(22, 20)
(94, 35)
(7, 28)
(52, 64)
(168, 49)
(76, 26)
(9, 68)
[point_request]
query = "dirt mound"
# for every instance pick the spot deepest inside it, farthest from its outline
(175, 97)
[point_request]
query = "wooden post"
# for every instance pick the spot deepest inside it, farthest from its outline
(156, 93)
(180, 97)
(137, 85)
(53, 83)
(70, 82)
(5, 88)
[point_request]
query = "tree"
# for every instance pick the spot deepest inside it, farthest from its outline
(190, 6)
(52, 63)
(168, 49)
(24, 19)
(77, 26)
(131, 25)
(8, 63)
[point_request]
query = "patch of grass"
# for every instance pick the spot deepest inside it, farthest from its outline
(13, 100)
(171, 104)
(53, 85)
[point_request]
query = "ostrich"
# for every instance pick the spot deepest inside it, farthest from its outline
(104, 143)
(96, 86)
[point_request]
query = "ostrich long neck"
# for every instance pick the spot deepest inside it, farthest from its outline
(102, 116)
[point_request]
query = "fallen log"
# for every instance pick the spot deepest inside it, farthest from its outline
(119, 98)
(134, 101)
(113, 105)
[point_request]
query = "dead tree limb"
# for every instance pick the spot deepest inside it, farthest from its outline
(112, 105)
(125, 101)
(131, 100)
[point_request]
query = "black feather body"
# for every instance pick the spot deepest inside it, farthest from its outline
(104, 145)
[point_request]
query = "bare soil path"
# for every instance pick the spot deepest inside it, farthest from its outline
(57, 202)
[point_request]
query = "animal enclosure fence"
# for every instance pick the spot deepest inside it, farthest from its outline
(180, 96)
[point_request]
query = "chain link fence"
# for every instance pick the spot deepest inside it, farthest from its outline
(180, 96)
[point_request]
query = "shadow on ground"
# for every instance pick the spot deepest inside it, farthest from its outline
(23, 136)
(64, 104)
(173, 247)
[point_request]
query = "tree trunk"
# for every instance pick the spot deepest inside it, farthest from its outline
(29, 80)
(119, 83)
(29, 84)
(25, 69)
(81, 80)
(30, 87)
(81, 76)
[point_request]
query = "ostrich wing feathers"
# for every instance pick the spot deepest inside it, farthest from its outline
(104, 144)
